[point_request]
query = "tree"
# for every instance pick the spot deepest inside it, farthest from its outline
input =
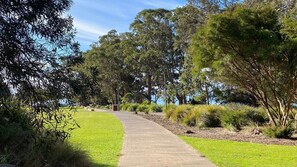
(105, 66)
(34, 35)
(153, 33)
(85, 81)
(253, 49)
(186, 20)
(209, 7)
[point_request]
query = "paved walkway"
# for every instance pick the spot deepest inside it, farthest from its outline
(149, 144)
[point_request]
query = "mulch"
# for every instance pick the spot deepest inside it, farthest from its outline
(252, 135)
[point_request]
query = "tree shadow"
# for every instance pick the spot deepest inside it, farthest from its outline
(101, 165)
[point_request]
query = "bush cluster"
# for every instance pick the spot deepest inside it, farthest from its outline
(105, 107)
(232, 116)
(279, 132)
(143, 107)
(22, 144)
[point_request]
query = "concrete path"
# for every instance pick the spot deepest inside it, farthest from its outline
(149, 144)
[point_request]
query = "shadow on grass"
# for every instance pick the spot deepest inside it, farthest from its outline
(101, 165)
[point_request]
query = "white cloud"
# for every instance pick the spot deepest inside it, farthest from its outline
(162, 4)
(105, 7)
(89, 28)
(88, 32)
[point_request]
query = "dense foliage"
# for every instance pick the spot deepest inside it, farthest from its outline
(254, 49)
(35, 39)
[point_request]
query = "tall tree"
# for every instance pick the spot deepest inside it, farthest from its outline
(34, 35)
(209, 7)
(186, 20)
(153, 33)
(105, 65)
(255, 50)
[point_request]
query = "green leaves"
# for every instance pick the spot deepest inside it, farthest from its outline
(253, 49)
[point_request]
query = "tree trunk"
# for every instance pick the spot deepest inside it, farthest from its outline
(116, 96)
(184, 99)
(180, 99)
(149, 90)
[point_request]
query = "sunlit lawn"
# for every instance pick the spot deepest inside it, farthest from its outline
(242, 154)
(100, 134)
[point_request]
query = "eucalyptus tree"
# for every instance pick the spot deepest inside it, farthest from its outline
(209, 7)
(254, 49)
(155, 55)
(186, 20)
(105, 65)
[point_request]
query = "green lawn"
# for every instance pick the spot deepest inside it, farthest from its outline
(242, 154)
(100, 134)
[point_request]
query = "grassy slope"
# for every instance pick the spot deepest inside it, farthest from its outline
(242, 154)
(100, 134)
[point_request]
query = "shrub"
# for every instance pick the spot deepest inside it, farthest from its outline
(238, 115)
(24, 144)
(155, 108)
(180, 112)
(233, 120)
(132, 107)
(146, 102)
(279, 132)
(125, 107)
(169, 109)
(143, 108)
(209, 119)
(256, 115)
(204, 116)
(191, 118)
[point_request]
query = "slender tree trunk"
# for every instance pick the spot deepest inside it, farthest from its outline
(180, 99)
(207, 95)
(149, 90)
(116, 97)
(184, 99)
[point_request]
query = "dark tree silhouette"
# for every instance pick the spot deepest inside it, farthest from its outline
(34, 36)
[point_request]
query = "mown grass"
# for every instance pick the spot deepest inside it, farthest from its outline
(242, 154)
(100, 134)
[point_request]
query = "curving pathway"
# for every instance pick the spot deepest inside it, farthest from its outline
(148, 144)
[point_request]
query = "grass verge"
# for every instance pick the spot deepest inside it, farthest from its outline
(100, 134)
(242, 154)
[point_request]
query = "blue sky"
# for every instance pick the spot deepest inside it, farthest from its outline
(93, 18)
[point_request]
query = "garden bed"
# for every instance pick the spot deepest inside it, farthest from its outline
(247, 134)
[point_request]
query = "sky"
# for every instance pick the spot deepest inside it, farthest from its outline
(94, 18)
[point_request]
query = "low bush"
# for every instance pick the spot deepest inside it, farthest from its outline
(181, 112)
(168, 110)
(210, 118)
(231, 116)
(125, 106)
(204, 116)
(105, 107)
(253, 115)
(279, 132)
(22, 143)
(237, 115)
(191, 119)
(233, 120)
(143, 108)
(256, 116)
(133, 107)
(155, 108)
